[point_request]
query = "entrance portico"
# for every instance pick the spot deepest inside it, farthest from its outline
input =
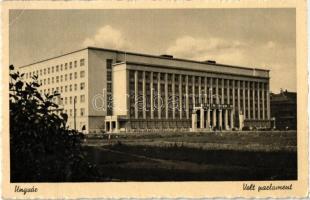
(208, 117)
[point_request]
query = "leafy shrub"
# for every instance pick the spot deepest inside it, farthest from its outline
(42, 148)
(246, 128)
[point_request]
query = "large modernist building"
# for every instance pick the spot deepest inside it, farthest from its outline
(117, 91)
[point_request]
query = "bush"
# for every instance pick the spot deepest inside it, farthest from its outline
(42, 148)
(246, 128)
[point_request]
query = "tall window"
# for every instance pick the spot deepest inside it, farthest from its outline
(82, 85)
(82, 62)
(109, 86)
(82, 98)
(82, 74)
(109, 63)
(82, 111)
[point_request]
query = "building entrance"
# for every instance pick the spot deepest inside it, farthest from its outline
(212, 117)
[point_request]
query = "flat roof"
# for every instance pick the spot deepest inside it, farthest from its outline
(146, 55)
(177, 59)
(184, 69)
(40, 61)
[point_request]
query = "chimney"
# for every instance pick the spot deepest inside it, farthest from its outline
(211, 62)
(166, 56)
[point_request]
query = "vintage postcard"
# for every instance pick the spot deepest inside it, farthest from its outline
(154, 99)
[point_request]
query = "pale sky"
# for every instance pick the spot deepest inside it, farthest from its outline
(262, 38)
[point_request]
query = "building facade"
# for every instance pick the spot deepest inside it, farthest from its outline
(117, 91)
(284, 110)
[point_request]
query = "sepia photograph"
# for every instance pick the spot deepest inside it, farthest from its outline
(145, 99)
(153, 95)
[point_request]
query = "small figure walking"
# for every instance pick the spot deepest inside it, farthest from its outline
(109, 138)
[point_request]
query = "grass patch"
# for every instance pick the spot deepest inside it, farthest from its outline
(176, 163)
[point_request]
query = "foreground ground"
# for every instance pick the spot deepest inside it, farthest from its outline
(195, 157)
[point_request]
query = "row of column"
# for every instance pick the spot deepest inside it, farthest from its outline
(228, 116)
(241, 106)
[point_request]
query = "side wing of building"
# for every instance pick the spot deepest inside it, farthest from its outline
(68, 75)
